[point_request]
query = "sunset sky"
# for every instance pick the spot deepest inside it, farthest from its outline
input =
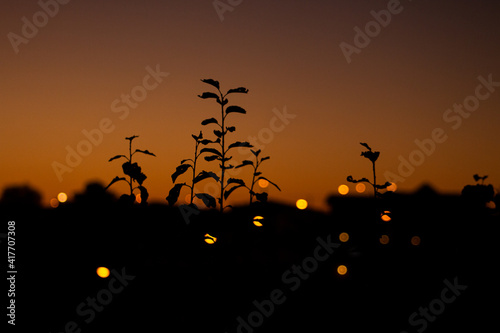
(397, 87)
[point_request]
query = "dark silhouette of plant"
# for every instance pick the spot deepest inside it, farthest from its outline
(133, 170)
(262, 197)
(478, 194)
(221, 152)
(478, 178)
(372, 156)
(207, 199)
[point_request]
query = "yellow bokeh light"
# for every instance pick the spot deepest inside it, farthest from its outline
(415, 241)
(209, 239)
(257, 221)
(263, 183)
(344, 237)
(343, 189)
(301, 204)
(138, 198)
(62, 197)
(54, 203)
(385, 216)
(384, 240)
(360, 187)
(393, 187)
(102, 272)
(342, 270)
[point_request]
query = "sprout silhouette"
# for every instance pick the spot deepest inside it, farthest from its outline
(207, 199)
(262, 197)
(221, 152)
(134, 172)
(477, 178)
(372, 156)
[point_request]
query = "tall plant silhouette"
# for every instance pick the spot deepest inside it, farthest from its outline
(185, 165)
(221, 151)
(134, 172)
(372, 156)
(262, 197)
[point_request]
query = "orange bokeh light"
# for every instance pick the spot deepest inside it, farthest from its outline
(343, 189)
(102, 272)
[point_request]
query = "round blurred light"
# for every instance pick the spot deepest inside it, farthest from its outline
(54, 203)
(102, 272)
(385, 216)
(384, 240)
(263, 183)
(343, 189)
(344, 237)
(393, 187)
(415, 241)
(62, 197)
(342, 270)
(301, 204)
(360, 187)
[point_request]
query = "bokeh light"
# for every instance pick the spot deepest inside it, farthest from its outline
(415, 241)
(384, 240)
(342, 270)
(386, 216)
(102, 272)
(344, 237)
(209, 239)
(54, 203)
(393, 187)
(301, 204)
(263, 183)
(257, 221)
(138, 198)
(360, 187)
(62, 197)
(343, 189)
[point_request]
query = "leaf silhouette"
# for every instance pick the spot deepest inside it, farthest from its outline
(211, 150)
(229, 191)
(262, 197)
(117, 156)
(116, 179)
(239, 144)
(384, 186)
(256, 153)
(144, 195)
(371, 155)
(237, 90)
(270, 182)
(212, 82)
(180, 170)
(207, 199)
(218, 133)
(209, 121)
(132, 137)
(174, 192)
(235, 181)
(245, 162)
(264, 158)
(211, 158)
(187, 159)
(204, 175)
(365, 145)
(351, 180)
(235, 109)
(231, 129)
(147, 152)
(206, 95)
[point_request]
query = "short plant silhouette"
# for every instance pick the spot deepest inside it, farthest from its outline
(207, 199)
(479, 194)
(221, 152)
(134, 172)
(372, 156)
(262, 197)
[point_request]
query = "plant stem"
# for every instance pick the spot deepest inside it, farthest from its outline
(130, 160)
(223, 156)
(374, 181)
(194, 170)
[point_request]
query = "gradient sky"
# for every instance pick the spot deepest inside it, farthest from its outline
(287, 53)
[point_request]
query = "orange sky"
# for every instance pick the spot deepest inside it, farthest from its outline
(395, 90)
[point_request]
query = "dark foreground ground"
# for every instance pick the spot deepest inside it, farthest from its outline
(277, 278)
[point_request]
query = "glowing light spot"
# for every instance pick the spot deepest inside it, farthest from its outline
(257, 221)
(138, 198)
(344, 237)
(415, 241)
(301, 204)
(209, 239)
(263, 183)
(393, 187)
(54, 203)
(491, 205)
(384, 240)
(360, 187)
(385, 216)
(102, 272)
(62, 197)
(342, 270)
(343, 189)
